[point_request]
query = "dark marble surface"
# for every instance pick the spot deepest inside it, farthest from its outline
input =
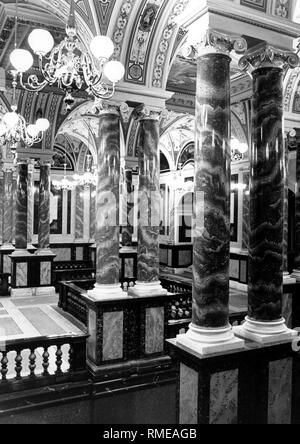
(79, 222)
(7, 219)
(44, 207)
(212, 188)
(246, 212)
(21, 207)
(92, 211)
(107, 216)
(297, 222)
(286, 211)
(30, 208)
(127, 230)
(149, 202)
(266, 197)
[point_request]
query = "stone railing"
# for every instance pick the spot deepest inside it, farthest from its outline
(40, 362)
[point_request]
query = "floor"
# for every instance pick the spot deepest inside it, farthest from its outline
(31, 318)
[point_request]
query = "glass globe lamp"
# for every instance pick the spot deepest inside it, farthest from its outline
(33, 131)
(43, 124)
(114, 71)
(102, 47)
(21, 60)
(11, 119)
(41, 42)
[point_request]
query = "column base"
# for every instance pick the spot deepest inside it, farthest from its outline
(128, 250)
(21, 293)
(103, 292)
(144, 289)
(20, 253)
(44, 252)
(288, 279)
(208, 342)
(45, 291)
(296, 275)
(265, 333)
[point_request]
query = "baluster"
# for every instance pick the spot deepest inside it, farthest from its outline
(46, 357)
(32, 363)
(18, 367)
(71, 358)
(59, 360)
(4, 366)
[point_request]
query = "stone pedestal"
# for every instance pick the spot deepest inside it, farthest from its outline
(107, 203)
(254, 386)
(149, 204)
(265, 323)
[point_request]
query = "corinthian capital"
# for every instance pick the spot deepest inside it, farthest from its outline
(216, 42)
(149, 113)
(268, 57)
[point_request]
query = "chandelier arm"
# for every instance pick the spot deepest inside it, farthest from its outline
(32, 84)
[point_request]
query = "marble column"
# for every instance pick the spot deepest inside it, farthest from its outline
(21, 208)
(296, 273)
(265, 323)
(149, 206)
(210, 330)
(30, 206)
(7, 219)
(287, 279)
(107, 203)
(44, 209)
(127, 228)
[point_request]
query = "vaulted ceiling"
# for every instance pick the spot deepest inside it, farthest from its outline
(147, 34)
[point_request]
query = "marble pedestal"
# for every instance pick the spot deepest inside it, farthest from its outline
(125, 333)
(32, 273)
(251, 386)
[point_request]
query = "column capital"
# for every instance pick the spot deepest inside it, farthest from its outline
(215, 42)
(268, 57)
(145, 112)
(102, 107)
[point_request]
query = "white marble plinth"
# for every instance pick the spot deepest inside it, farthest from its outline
(296, 275)
(207, 342)
(265, 333)
(44, 291)
(103, 292)
(21, 293)
(289, 279)
(143, 289)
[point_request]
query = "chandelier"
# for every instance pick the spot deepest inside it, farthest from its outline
(238, 150)
(14, 129)
(69, 65)
(89, 178)
(65, 184)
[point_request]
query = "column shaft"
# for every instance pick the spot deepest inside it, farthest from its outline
(44, 207)
(30, 206)
(212, 193)
(127, 231)
(107, 221)
(7, 220)
(266, 197)
(22, 207)
(297, 217)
